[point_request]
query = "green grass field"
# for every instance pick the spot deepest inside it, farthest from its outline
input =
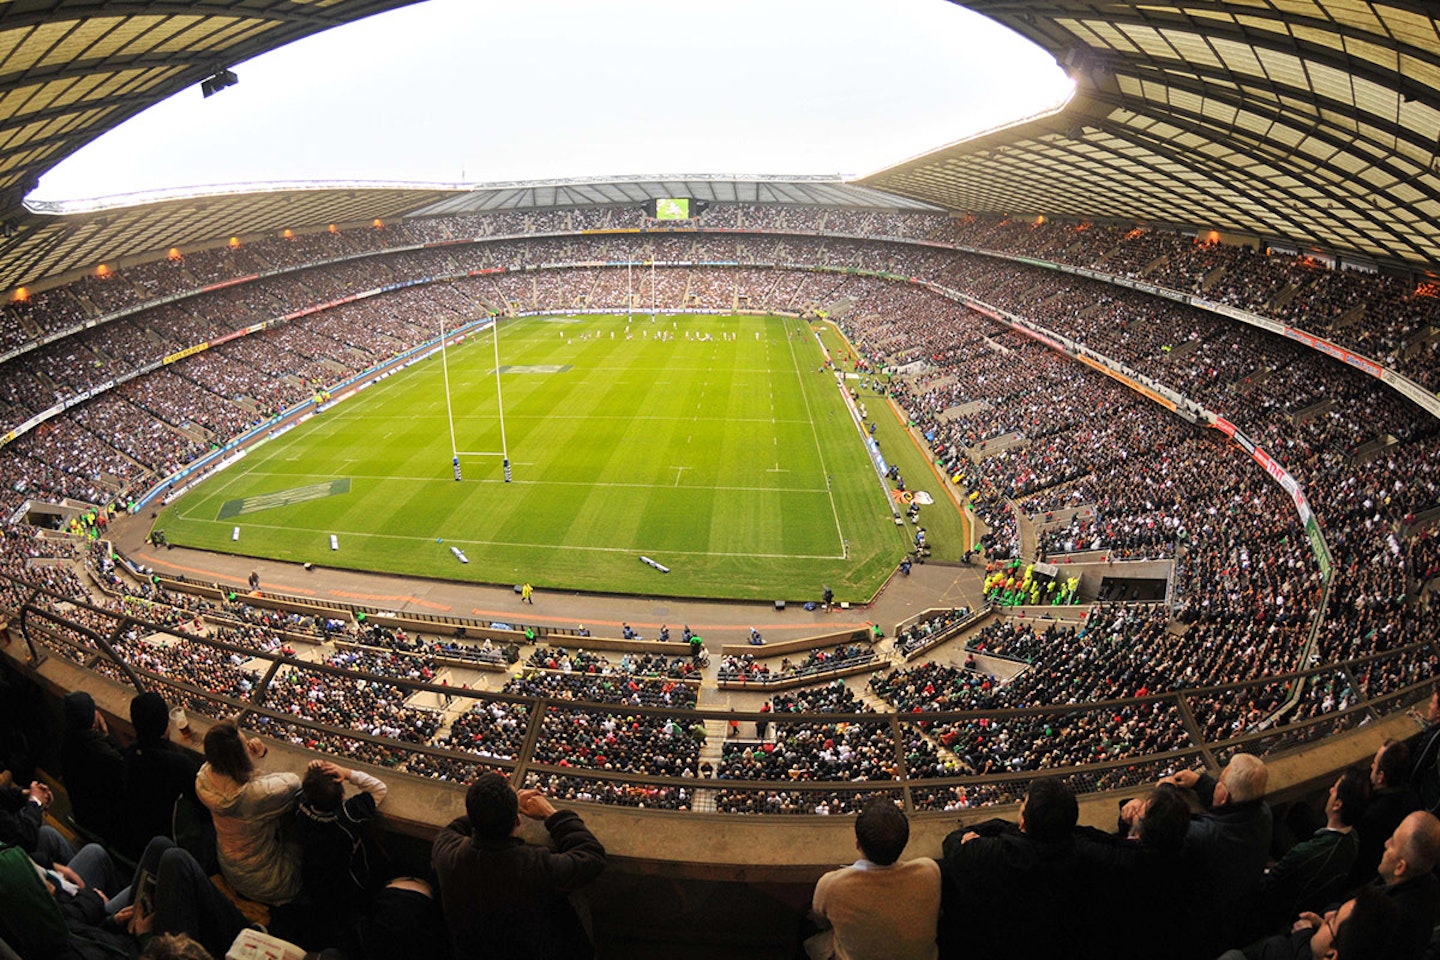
(732, 461)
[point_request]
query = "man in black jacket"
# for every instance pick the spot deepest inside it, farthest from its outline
(1392, 799)
(1425, 749)
(1407, 877)
(92, 767)
(504, 898)
(156, 773)
(1012, 891)
(1137, 909)
(1225, 849)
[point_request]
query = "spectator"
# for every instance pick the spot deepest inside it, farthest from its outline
(172, 895)
(1362, 928)
(878, 908)
(504, 898)
(255, 856)
(340, 868)
(1425, 748)
(22, 824)
(47, 915)
(1225, 849)
(94, 770)
(1138, 911)
(174, 946)
(1392, 799)
(1316, 872)
(404, 920)
(1407, 877)
(1015, 889)
(156, 775)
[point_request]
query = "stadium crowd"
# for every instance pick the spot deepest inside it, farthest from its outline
(1028, 434)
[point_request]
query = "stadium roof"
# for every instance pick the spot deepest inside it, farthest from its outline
(55, 238)
(1312, 121)
(814, 191)
(1309, 121)
(72, 69)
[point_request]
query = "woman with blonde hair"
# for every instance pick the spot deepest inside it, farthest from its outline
(252, 813)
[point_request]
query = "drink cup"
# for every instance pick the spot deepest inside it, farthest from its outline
(180, 722)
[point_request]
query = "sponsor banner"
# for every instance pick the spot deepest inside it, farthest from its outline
(1034, 335)
(1302, 506)
(187, 352)
(236, 334)
(1235, 313)
(194, 482)
(1225, 426)
(228, 283)
(1129, 382)
(39, 418)
(1414, 392)
(1338, 352)
(1276, 471)
(1317, 544)
(401, 285)
(881, 466)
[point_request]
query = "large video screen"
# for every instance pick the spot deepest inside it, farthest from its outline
(672, 208)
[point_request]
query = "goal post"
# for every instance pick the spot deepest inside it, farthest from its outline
(455, 452)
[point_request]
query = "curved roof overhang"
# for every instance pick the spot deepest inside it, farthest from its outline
(52, 239)
(1312, 121)
(70, 70)
(55, 239)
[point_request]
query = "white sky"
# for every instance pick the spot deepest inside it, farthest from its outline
(474, 90)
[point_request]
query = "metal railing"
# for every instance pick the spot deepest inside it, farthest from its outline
(92, 637)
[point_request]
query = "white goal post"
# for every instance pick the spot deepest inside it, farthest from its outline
(455, 453)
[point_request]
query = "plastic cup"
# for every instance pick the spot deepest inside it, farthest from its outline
(180, 722)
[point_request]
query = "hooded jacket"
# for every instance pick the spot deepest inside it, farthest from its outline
(92, 768)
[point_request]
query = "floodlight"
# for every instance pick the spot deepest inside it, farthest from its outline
(219, 81)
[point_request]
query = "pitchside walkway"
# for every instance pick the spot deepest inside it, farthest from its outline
(719, 622)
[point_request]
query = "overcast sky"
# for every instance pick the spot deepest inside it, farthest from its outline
(476, 91)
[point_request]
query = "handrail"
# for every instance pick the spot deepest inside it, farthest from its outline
(538, 707)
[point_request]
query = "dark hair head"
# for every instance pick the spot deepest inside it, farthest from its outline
(882, 831)
(174, 946)
(1393, 762)
(492, 807)
(225, 752)
(79, 708)
(1354, 795)
(1369, 932)
(1050, 810)
(149, 715)
(321, 790)
(1166, 819)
